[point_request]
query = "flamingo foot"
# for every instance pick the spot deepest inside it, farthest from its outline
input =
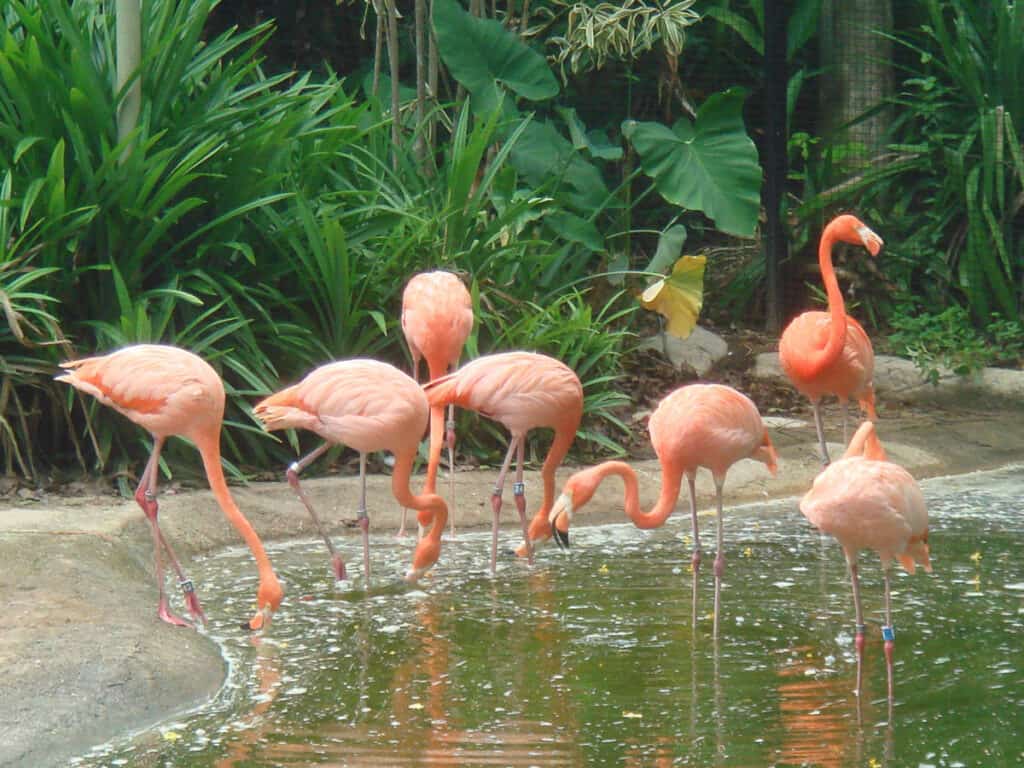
(164, 612)
(192, 601)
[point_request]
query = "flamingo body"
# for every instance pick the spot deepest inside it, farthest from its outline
(522, 391)
(437, 318)
(169, 391)
(826, 353)
(369, 406)
(700, 425)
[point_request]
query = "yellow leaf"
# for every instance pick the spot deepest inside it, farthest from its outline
(679, 296)
(976, 557)
(633, 715)
(603, 569)
(748, 552)
(415, 705)
(171, 736)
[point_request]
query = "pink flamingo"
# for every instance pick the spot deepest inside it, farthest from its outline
(522, 391)
(437, 317)
(867, 502)
(369, 406)
(168, 391)
(829, 352)
(699, 425)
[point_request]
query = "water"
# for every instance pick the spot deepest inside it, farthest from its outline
(590, 659)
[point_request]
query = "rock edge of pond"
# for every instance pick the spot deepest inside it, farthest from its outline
(86, 660)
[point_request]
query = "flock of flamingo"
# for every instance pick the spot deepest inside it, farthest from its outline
(863, 500)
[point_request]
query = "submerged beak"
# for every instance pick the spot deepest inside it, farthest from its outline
(871, 240)
(261, 620)
(562, 506)
(413, 574)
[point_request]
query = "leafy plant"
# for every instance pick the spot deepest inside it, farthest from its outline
(948, 341)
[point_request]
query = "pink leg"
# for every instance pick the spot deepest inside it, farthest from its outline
(819, 425)
(889, 637)
(449, 438)
(405, 511)
(496, 502)
(519, 495)
(293, 480)
(858, 641)
(720, 556)
(695, 559)
(364, 518)
(145, 496)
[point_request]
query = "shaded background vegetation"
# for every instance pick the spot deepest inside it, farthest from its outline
(267, 210)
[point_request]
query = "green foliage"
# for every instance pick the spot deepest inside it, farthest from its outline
(708, 165)
(948, 341)
(952, 185)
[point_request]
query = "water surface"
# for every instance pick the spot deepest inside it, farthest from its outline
(590, 658)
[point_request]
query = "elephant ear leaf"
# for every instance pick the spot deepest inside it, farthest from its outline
(709, 165)
(482, 53)
(679, 296)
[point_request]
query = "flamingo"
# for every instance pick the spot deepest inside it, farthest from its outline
(698, 425)
(169, 391)
(522, 391)
(867, 502)
(369, 406)
(828, 352)
(437, 317)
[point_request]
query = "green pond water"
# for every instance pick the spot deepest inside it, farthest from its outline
(589, 658)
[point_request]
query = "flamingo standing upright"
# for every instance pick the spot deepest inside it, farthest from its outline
(867, 502)
(522, 391)
(699, 425)
(169, 391)
(829, 352)
(437, 317)
(369, 406)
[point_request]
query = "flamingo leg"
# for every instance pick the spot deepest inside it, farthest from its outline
(496, 502)
(363, 517)
(720, 556)
(816, 407)
(293, 480)
(858, 640)
(146, 500)
(519, 495)
(449, 438)
(845, 411)
(146, 495)
(405, 510)
(691, 479)
(889, 636)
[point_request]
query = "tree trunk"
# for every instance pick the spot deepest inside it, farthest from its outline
(421, 82)
(858, 72)
(129, 56)
(392, 41)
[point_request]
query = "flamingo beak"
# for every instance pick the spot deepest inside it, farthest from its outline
(562, 506)
(413, 574)
(871, 240)
(261, 620)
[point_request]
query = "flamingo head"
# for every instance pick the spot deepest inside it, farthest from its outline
(423, 559)
(765, 453)
(850, 229)
(268, 600)
(578, 490)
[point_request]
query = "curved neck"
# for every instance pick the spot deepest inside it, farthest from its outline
(437, 423)
(209, 449)
(424, 501)
(663, 507)
(836, 306)
(558, 450)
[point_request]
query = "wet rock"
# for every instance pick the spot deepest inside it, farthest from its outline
(699, 351)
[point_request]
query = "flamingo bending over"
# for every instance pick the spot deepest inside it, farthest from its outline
(522, 391)
(829, 352)
(437, 317)
(699, 425)
(168, 391)
(369, 406)
(867, 502)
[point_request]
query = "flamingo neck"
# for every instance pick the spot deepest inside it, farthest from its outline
(836, 306)
(558, 450)
(437, 424)
(427, 500)
(209, 449)
(663, 507)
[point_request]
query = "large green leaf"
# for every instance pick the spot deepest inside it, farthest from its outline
(482, 53)
(709, 165)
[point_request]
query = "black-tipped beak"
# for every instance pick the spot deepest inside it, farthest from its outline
(561, 537)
